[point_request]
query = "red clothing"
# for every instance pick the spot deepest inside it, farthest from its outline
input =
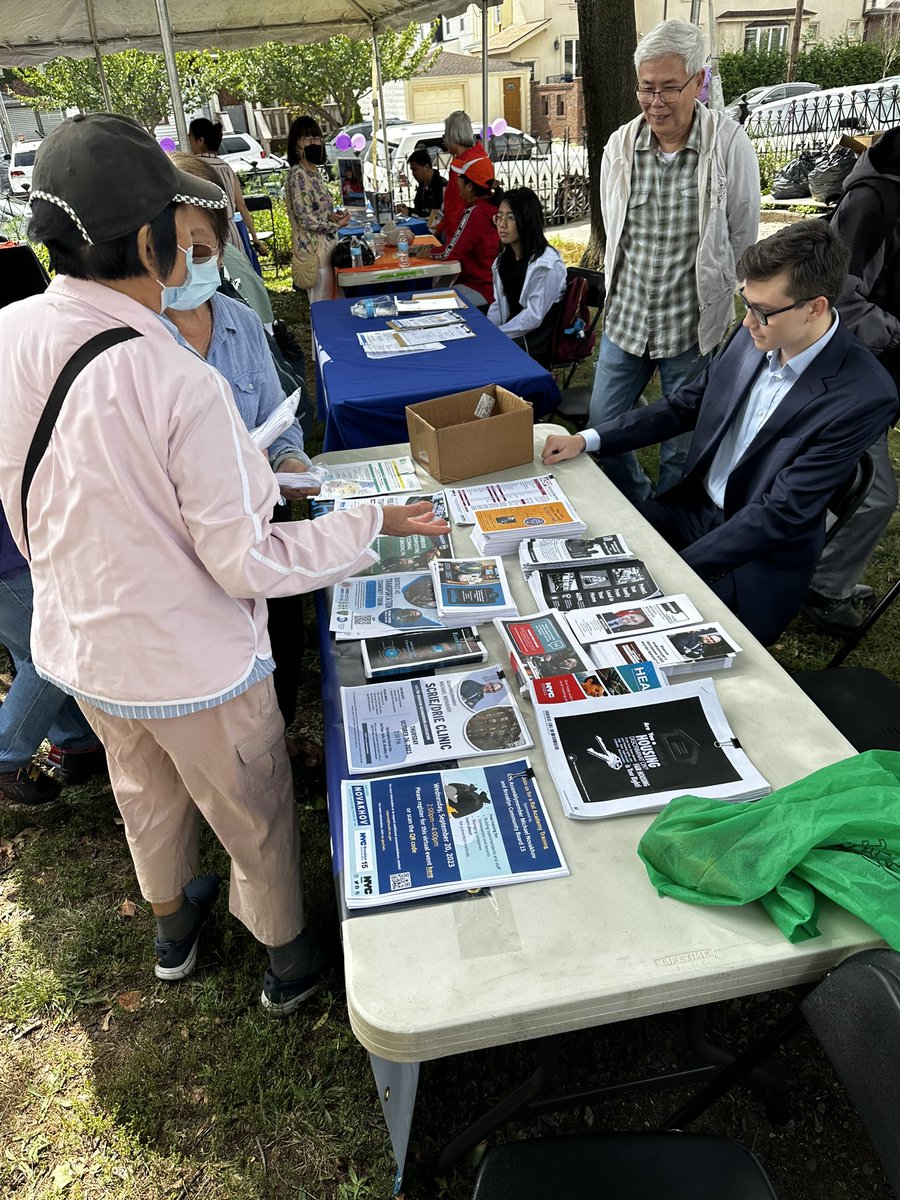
(454, 205)
(475, 245)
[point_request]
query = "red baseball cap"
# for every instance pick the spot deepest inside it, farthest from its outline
(479, 170)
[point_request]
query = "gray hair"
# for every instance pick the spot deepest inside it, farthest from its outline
(458, 129)
(673, 37)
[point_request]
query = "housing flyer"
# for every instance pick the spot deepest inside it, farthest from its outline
(412, 721)
(407, 837)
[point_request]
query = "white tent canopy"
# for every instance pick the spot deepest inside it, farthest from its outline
(33, 31)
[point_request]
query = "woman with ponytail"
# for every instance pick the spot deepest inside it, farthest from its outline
(475, 243)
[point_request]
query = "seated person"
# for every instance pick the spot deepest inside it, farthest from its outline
(780, 418)
(529, 274)
(474, 243)
(429, 197)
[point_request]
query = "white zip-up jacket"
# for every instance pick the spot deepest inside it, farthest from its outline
(545, 282)
(728, 187)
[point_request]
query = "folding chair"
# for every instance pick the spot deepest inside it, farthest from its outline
(847, 498)
(854, 1014)
(575, 405)
(264, 204)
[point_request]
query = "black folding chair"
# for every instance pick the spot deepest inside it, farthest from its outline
(847, 498)
(257, 203)
(855, 1015)
(575, 405)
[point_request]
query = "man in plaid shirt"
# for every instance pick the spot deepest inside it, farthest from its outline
(680, 193)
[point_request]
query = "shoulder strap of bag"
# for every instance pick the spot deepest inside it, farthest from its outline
(67, 376)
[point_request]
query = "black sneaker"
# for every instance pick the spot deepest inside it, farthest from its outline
(29, 785)
(176, 960)
(282, 997)
(76, 766)
(834, 616)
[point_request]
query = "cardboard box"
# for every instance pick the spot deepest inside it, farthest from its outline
(858, 142)
(452, 443)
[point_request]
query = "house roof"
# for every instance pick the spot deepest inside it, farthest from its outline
(740, 14)
(464, 64)
(511, 37)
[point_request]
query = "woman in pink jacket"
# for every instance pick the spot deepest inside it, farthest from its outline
(151, 549)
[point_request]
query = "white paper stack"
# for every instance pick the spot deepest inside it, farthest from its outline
(501, 530)
(471, 590)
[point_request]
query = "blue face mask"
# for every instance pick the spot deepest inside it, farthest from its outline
(202, 280)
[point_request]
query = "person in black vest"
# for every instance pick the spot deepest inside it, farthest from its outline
(429, 198)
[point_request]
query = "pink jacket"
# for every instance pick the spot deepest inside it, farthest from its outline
(151, 547)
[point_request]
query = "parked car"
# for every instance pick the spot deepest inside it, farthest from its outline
(818, 119)
(243, 152)
(769, 95)
(403, 139)
(21, 165)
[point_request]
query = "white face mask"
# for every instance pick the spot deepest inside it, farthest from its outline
(202, 281)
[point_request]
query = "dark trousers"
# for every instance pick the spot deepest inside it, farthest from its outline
(287, 633)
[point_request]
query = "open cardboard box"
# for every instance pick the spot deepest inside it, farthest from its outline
(858, 142)
(452, 443)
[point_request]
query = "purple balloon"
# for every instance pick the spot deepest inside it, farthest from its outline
(342, 141)
(358, 141)
(490, 131)
(167, 144)
(499, 126)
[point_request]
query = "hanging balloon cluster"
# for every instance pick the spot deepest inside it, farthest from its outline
(342, 141)
(167, 144)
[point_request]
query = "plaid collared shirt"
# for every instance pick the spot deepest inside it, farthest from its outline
(654, 305)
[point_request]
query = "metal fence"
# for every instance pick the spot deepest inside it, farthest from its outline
(817, 120)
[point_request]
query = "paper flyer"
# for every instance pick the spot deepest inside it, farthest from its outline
(644, 616)
(383, 476)
(593, 587)
(464, 501)
(411, 653)
(366, 607)
(412, 721)
(541, 645)
(407, 837)
(693, 649)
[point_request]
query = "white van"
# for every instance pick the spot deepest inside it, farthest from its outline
(21, 166)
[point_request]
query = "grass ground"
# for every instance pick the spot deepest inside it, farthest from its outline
(113, 1086)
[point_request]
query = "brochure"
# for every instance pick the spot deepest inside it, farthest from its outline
(694, 650)
(384, 476)
(366, 607)
(430, 302)
(571, 552)
(464, 501)
(500, 530)
(407, 837)
(633, 754)
(411, 653)
(645, 616)
(414, 721)
(471, 590)
(413, 553)
(542, 645)
(602, 681)
(592, 587)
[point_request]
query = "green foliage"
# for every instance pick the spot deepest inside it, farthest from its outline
(138, 84)
(338, 71)
(835, 63)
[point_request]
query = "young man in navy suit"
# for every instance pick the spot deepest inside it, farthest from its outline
(780, 418)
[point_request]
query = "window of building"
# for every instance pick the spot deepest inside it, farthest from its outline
(531, 64)
(571, 56)
(545, 105)
(765, 38)
(812, 31)
(560, 104)
(854, 30)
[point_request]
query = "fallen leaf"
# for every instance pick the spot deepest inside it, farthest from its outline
(130, 1001)
(127, 908)
(65, 1173)
(107, 1018)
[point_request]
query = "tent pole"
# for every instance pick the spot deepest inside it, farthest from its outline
(485, 120)
(101, 71)
(168, 46)
(384, 134)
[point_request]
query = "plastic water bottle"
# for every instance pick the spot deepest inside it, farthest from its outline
(403, 251)
(369, 237)
(356, 254)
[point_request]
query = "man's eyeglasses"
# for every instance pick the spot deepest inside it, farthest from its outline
(504, 218)
(203, 253)
(668, 95)
(762, 316)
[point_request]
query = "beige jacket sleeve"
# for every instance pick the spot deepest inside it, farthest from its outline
(226, 491)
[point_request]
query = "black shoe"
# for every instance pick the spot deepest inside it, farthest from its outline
(864, 595)
(76, 766)
(28, 786)
(834, 616)
(284, 996)
(176, 960)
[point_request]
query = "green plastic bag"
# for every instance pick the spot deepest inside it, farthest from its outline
(835, 833)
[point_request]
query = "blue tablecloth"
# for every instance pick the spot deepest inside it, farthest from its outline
(363, 401)
(415, 227)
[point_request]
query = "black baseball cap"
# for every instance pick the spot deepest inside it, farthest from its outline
(111, 177)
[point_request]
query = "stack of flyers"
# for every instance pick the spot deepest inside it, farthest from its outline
(417, 653)
(537, 490)
(592, 685)
(540, 646)
(644, 616)
(471, 590)
(384, 476)
(593, 587)
(368, 607)
(571, 552)
(500, 530)
(693, 650)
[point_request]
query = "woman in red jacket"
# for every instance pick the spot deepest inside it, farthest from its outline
(459, 138)
(475, 243)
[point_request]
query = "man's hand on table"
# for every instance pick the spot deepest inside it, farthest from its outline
(403, 520)
(558, 447)
(301, 491)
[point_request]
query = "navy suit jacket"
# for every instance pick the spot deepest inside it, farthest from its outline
(777, 494)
